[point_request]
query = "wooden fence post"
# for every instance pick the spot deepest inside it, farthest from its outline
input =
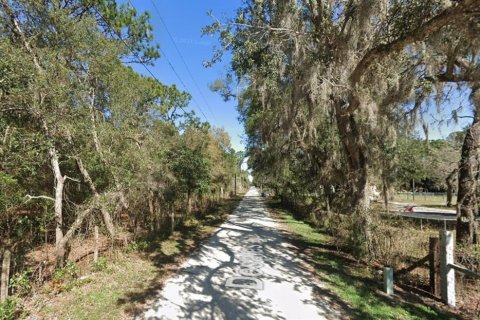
(434, 264)
(5, 275)
(447, 273)
(95, 252)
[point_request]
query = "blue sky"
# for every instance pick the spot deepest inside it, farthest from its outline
(439, 117)
(184, 20)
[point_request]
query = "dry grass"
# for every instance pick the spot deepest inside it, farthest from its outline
(357, 284)
(99, 295)
(131, 278)
(399, 243)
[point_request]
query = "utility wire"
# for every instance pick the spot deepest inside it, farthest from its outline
(183, 83)
(140, 60)
(177, 75)
(183, 59)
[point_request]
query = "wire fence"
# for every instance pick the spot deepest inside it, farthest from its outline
(422, 194)
(427, 198)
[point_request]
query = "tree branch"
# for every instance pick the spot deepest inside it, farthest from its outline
(450, 15)
(70, 178)
(18, 31)
(444, 77)
(265, 27)
(75, 225)
(29, 197)
(86, 176)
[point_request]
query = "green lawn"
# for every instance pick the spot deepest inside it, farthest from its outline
(351, 282)
(424, 200)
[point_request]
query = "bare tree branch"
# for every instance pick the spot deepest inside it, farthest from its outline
(70, 178)
(29, 197)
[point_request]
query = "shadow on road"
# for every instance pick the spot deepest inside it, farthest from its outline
(198, 291)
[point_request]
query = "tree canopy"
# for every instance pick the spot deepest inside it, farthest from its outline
(326, 88)
(85, 137)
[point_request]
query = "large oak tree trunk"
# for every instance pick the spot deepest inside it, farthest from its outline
(467, 204)
(357, 174)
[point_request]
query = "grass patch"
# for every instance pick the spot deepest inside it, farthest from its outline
(352, 282)
(424, 200)
(170, 247)
(120, 288)
(97, 296)
(297, 227)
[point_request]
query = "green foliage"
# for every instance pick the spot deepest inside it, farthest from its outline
(64, 279)
(192, 169)
(21, 283)
(100, 265)
(9, 309)
(10, 191)
(72, 91)
(122, 140)
(354, 283)
(427, 162)
(412, 160)
(170, 247)
(139, 246)
(68, 273)
(331, 92)
(135, 28)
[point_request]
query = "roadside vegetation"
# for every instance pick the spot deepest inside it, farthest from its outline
(399, 243)
(86, 144)
(121, 283)
(337, 95)
(337, 98)
(353, 281)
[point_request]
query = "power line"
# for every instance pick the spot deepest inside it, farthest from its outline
(183, 83)
(182, 58)
(177, 75)
(113, 33)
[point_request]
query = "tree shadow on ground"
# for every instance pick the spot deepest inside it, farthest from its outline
(199, 286)
(187, 238)
(199, 291)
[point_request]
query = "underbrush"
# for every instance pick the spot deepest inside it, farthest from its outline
(354, 282)
(396, 242)
(120, 282)
(10, 309)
